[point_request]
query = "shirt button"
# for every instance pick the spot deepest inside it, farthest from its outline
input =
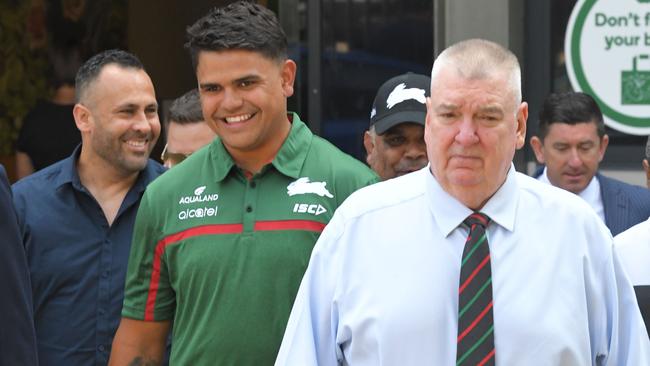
(105, 274)
(253, 184)
(101, 348)
(249, 208)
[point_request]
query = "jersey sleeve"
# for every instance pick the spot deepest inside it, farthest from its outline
(148, 294)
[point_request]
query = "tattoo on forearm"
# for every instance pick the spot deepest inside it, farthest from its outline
(140, 361)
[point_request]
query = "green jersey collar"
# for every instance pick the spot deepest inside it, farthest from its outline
(288, 161)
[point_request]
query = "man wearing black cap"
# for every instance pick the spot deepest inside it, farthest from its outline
(395, 140)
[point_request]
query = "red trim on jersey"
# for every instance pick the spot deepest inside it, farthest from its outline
(212, 230)
(160, 250)
(289, 225)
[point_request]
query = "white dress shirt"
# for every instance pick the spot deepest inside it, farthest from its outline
(382, 283)
(591, 194)
(633, 248)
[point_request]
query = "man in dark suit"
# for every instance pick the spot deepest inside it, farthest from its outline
(571, 143)
(17, 337)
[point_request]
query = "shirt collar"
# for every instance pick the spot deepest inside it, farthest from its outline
(69, 174)
(449, 213)
(289, 159)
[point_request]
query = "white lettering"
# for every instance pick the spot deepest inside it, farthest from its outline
(198, 212)
(313, 209)
(194, 199)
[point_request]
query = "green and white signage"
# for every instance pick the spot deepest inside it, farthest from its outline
(607, 50)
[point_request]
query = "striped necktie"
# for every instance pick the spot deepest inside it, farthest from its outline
(475, 342)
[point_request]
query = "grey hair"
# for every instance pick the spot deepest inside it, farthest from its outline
(477, 59)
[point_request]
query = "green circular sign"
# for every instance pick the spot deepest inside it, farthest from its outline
(607, 49)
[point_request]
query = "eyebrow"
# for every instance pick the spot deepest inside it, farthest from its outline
(247, 78)
(491, 109)
(205, 85)
(446, 107)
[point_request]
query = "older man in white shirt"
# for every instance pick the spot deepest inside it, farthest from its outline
(466, 262)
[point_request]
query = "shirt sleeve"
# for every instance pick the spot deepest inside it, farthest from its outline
(148, 294)
(617, 330)
(311, 334)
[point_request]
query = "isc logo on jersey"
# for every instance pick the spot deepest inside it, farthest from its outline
(314, 209)
(304, 186)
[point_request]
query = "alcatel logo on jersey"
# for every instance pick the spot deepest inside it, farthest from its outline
(198, 213)
(307, 208)
(198, 197)
(303, 186)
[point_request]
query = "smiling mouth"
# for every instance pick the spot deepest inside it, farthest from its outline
(239, 118)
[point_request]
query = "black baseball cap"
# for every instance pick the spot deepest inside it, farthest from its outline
(400, 99)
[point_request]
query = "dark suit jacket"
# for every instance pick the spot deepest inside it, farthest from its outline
(625, 205)
(17, 337)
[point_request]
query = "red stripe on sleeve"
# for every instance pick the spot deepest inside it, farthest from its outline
(160, 250)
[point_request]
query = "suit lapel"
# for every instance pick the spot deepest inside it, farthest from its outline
(614, 204)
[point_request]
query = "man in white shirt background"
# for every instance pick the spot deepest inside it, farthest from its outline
(393, 281)
(571, 144)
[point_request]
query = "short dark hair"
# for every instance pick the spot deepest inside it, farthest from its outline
(186, 109)
(91, 69)
(571, 108)
(240, 25)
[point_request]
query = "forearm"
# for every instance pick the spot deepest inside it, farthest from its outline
(139, 343)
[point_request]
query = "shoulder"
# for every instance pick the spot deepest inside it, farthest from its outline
(386, 195)
(153, 170)
(637, 234)
(170, 181)
(324, 154)
(539, 196)
(42, 180)
(638, 196)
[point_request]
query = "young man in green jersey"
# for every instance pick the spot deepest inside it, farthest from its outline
(222, 240)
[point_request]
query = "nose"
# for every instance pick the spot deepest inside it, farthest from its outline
(415, 150)
(574, 158)
(231, 100)
(466, 134)
(143, 123)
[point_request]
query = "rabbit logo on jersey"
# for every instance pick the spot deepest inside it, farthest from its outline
(198, 212)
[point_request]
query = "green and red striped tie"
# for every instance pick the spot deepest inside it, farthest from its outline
(475, 342)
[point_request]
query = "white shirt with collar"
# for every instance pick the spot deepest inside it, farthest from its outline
(591, 193)
(382, 283)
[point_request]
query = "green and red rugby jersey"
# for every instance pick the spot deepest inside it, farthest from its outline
(223, 256)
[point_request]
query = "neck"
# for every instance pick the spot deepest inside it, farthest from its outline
(254, 160)
(101, 178)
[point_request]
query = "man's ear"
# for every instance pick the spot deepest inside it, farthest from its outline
(522, 118)
(538, 148)
(288, 75)
(369, 144)
(646, 168)
(604, 142)
(82, 117)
